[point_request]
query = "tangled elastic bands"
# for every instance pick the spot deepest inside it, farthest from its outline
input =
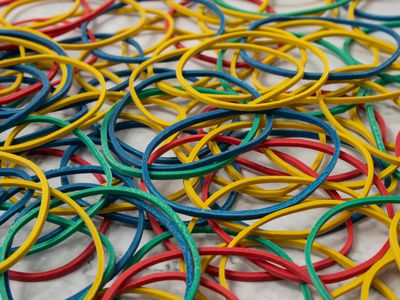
(189, 148)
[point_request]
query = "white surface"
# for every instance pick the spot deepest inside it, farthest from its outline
(369, 236)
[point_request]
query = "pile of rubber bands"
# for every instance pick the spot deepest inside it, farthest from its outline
(203, 140)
